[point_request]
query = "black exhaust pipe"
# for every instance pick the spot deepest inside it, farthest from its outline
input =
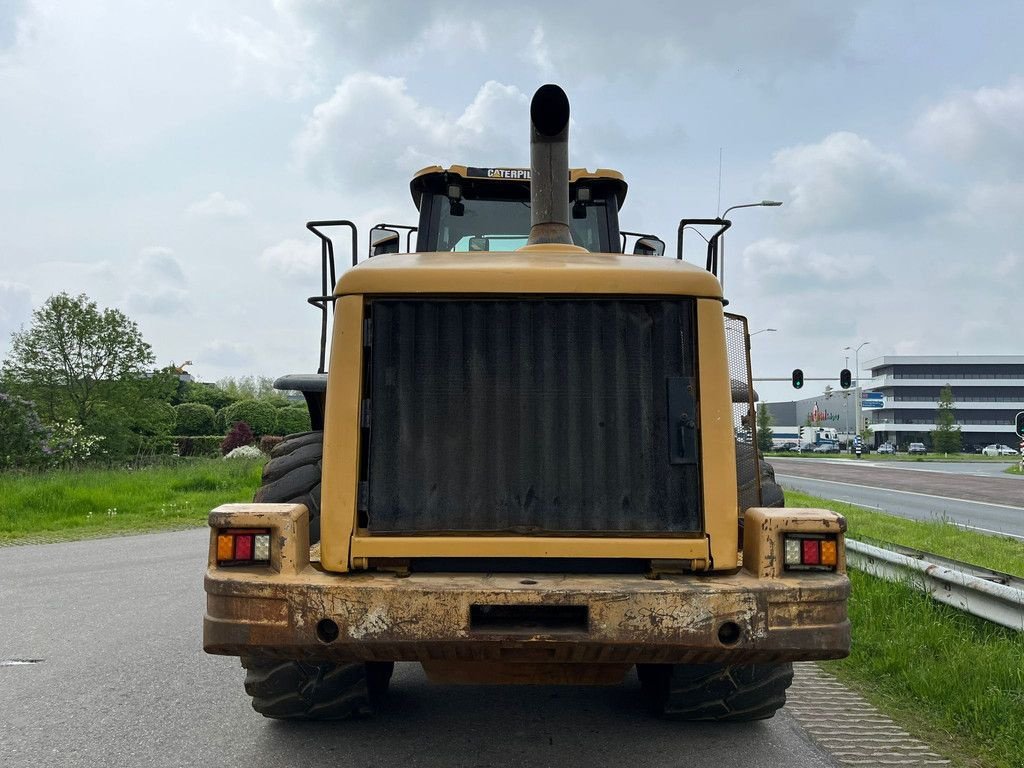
(549, 166)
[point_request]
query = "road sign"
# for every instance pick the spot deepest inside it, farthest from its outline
(872, 395)
(872, 403)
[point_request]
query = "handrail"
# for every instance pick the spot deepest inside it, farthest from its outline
(712, 260)
(328, 276)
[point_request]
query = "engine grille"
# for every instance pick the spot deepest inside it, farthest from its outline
(527, 416)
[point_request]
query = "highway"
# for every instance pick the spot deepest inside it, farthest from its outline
(975, 496)
(116, 676)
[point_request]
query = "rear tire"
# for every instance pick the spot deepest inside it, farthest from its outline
(720, 692)
(320, 690)
(293, 475)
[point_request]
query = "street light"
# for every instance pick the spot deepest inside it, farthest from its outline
(769, 330)
(762, 204)
(856, 375)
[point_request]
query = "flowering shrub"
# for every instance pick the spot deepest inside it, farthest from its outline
(244, 452)
(70, 443)
(239, 435)
(24, 441)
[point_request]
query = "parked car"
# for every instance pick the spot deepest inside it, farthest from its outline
(886, 448)
(916, 448)
(826, 448)
(998, 450)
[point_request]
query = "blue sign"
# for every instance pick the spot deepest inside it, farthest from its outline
(872, 396)
(872, 404)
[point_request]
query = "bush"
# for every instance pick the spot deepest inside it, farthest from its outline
(269, 443)
(71, 443)
(194, 419)
(244, 452)
(259, 415)
(199, 445)
(239, 435)
(292, 419)
(24, 441)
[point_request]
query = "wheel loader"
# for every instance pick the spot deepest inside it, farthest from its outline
(533, 461)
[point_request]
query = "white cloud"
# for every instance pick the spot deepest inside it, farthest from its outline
(846, 182)
(157, 262)
(160, 300)
(217, 206)
(294, 260)
(984, 126)
(228, 354)
(787, 267)
(15, 309)
(372, 133)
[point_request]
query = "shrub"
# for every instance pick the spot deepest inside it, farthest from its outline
(259, 415)
(292, 419)
(194, 419)
(244, 452)
(199, 445)
(239, 435)
(269, 443)
(72, 444)
(24, 441)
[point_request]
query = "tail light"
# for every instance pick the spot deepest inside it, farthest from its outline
(243, 546)
(810, 552)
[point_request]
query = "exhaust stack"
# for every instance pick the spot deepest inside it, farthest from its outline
(549, 166)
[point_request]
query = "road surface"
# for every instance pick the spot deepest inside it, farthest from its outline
(967, 494)
(121, 680)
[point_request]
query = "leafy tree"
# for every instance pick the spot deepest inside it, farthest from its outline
(947, 437)
(260, 415)
(292, 419)
(250, 387)
(764, 428)
(24, 441)
(74, 356)
(237, 436)
(207, 394)
(193, 419)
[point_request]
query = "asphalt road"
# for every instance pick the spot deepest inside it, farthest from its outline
(122, 680)
(970, 495)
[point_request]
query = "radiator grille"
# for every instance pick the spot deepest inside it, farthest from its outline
(528, 417)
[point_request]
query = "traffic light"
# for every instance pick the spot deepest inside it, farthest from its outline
(1019, 425)
(845, 378)
(798, 378)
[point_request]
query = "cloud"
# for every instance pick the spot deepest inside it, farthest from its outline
(217, 206)
(162, 300)
(985, 126)
(15, 309)
(227, 354)
(157, 262)
(294, 260)
(786, 267)
(846, 182)
(371, 133)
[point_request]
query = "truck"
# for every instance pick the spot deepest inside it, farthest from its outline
(805, 438)
(523, 468)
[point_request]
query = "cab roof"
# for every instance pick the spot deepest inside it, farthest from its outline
(435, 179)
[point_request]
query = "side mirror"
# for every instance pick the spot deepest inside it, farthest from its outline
(649, 246)
(384, 241)
(479, 244)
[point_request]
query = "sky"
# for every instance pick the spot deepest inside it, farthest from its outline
(163, 158)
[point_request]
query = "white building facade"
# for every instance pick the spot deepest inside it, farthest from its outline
(988, 390)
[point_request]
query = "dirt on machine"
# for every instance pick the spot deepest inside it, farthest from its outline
(533, 461)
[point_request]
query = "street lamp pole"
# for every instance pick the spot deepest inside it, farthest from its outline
(769, 330)
(762, 204)
(856, 375)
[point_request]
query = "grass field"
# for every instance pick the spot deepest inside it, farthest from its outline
(954, 680)
(78, 504)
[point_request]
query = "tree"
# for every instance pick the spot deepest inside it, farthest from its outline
(292, 419)
(259, 415)
(74, 356)
(24, 441)
(194, 419)
(764, 428)
(947, 437)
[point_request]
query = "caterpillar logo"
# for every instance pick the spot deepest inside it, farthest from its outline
(518, 174)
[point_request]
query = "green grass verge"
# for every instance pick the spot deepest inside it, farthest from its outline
(897, 457)
(955, 681)
(75, 504)
(936, 536)
(1013, 469)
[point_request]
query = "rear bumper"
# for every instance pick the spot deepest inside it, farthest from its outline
(615, 618)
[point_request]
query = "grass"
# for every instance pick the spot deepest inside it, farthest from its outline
(897, 457)
(936, 536)
(954, 680)
(1013, 469)
(75, 504)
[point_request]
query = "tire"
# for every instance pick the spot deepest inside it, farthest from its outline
(719, 692)
(771, 492)
(322, 690)
(293, 475)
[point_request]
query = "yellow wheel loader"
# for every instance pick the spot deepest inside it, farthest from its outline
(532, 461)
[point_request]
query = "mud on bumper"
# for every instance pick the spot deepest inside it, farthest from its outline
(296, 610)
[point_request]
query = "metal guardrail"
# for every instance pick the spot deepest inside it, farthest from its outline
(997, 597)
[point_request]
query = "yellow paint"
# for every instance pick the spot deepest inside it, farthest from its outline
(528, 546)
(718, 443)
(547, 270)
(340, 485)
